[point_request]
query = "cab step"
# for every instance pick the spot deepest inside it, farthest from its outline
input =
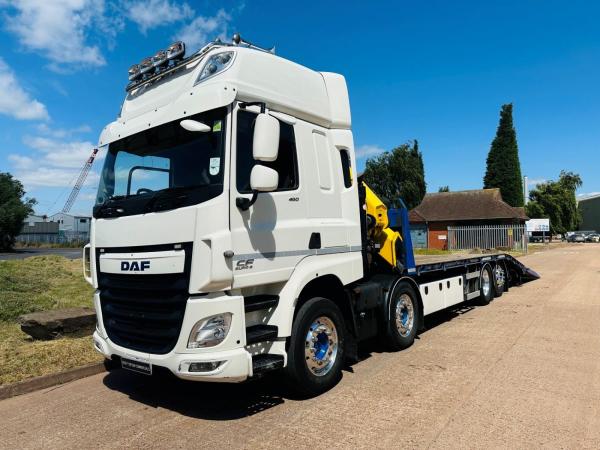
(260, 333)
(258, 302)
(266, 363)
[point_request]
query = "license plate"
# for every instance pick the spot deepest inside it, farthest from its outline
(136, 366)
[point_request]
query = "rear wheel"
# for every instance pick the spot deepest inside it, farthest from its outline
(403, 320)
(499, 280)
(316, 350)
(486, 288)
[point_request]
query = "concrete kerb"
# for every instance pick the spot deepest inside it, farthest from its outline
(50, 380)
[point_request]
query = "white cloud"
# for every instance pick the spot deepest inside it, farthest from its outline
(55, 163)
(203, 29)
(587, 195)
(53, 177)
(365, 151)
(62, 154)
(532, 182)
(14, 100)
(62, 133)
(59, 29)
(154, 13)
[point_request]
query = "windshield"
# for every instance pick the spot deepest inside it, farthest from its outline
(163, 167)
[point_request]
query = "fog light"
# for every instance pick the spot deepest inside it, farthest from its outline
(204, 366)
(210, 331)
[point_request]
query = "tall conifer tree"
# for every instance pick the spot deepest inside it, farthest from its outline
(503, 168)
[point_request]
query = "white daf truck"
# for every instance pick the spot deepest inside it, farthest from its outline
(231, 236)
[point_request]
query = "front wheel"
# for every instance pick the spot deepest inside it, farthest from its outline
(316, 349)
(403, 320)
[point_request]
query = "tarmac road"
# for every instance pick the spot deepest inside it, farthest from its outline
(521, 372)
(22, 253)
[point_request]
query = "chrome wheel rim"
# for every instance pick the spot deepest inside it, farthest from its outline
(500, 276)
(485, 282)
(405, 315)
(321, 346)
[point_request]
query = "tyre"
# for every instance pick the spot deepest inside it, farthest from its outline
(499, 280)
(316, 348)
(486, 286)
(403, 322)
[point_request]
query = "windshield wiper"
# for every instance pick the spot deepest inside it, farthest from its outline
(103, 208)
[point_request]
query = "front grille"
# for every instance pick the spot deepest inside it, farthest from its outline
(144, 312)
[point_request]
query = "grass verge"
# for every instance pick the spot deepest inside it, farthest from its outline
(36, 284)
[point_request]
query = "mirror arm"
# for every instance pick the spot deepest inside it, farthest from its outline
(262, 105)
(245, 203)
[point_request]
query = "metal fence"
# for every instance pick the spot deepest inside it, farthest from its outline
(64, 237)
(502, 237)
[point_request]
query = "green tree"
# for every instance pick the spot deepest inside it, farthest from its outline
(444, 188)
(398, 174)
(503, 168)
(13, 209)
(556, 200)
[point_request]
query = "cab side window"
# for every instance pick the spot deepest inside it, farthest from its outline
(286, 163)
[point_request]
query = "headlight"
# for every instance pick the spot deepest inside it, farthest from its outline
(215, 64)
(210, 331)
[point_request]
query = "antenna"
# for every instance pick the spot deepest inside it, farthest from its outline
(237, 40)
(80, 180)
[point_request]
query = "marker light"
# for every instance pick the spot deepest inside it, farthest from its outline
(146, 66)
(210, 331)
(176, 51)
(134, 72)
(215, 64)
(160, 59)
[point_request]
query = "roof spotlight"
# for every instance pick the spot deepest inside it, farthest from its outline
(160, 59)
(134, 72)
(146, 66)
(176, 50)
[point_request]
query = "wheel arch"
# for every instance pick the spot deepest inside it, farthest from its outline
(331, 287)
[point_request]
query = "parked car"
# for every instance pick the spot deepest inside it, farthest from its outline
(593, 237)
(576, 237)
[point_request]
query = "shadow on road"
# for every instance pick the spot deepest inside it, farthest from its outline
(230, 401)
(212, 401)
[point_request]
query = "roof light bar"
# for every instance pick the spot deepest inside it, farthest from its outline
(176, 51)
(134, 72)
(165, 62)
(146, 66)
(160, 59)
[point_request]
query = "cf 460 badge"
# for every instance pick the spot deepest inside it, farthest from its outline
(243, 264)
(134, 266)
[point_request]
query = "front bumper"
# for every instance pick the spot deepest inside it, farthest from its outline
(236, 360)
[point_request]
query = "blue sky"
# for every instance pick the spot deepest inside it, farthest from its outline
(436, 71)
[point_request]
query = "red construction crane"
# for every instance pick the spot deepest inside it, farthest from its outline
(80, 180)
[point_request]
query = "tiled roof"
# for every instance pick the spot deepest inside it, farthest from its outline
(479, 204)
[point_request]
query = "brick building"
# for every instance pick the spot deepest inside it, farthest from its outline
(438, 211)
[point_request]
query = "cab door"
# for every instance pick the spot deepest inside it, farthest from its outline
(272, 236)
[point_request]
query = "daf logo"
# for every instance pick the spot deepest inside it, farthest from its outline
(134, 266)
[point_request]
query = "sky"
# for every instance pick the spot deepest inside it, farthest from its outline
(435, 71)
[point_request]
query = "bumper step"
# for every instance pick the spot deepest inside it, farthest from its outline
(260, 333)
(258, 302)
(266, 363)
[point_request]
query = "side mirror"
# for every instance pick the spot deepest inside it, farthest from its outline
(265, 145)
(263, 179)
(194, 125)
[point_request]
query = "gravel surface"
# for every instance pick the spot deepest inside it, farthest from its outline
(521, 372)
